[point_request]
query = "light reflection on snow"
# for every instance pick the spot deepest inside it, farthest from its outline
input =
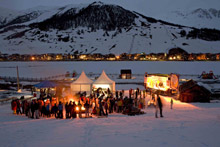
(179, 104)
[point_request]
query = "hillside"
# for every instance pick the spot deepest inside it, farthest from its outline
(100, 28)
(200, 18)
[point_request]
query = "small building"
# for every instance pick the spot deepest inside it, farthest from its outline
(192, 92)
(126, 74)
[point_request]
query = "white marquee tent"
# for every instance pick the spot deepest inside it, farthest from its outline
(104, 82)
(83, 83)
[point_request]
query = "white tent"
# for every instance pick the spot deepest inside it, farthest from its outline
(83, 83)
(104, 82)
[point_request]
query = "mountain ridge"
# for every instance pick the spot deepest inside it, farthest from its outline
(102, 28)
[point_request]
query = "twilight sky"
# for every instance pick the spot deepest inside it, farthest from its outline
(147, 7)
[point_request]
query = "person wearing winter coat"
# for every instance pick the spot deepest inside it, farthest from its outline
(60, 109)
(55, 110)
(106, 107)
(86, 105)
(36, 107)
(116, 94)
(100, 107)
(120, 105)
(41, 104)
(18, 107)
(32, 108)
(171, 103)
(159, 106)
(73, 110)
(26, 105)
(68, 109)
(14, 106)
(48, 109)
(80, 107)
(121, 94)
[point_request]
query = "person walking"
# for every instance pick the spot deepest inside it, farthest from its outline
(159, 106)
(171, 103)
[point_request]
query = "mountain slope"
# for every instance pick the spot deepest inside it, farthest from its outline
(200, 18)
(101, 28)
(96, 16)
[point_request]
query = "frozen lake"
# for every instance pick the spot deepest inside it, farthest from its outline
(45, 69)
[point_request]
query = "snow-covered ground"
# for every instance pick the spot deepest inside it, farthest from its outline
(196, 124)
(186, 70)
(45, 69)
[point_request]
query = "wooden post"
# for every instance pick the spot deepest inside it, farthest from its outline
(18, 78)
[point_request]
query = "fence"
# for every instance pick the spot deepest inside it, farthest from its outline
(27, 79)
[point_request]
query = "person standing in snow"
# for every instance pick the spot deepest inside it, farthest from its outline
(120, 95)
(36, 107)
(80, 107)
(55, 110)
(106, 107)
(130, 93)
(100, 107)
(159, 105)
(116, 94)
(32, 108)
(14, 106)
(73, 110)
(18, 107)
(171, 103)
(60, 108)
(86, 105)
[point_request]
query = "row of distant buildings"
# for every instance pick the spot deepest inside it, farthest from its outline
(177, 56)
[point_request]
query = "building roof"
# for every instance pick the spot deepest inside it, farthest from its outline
(104, 79)
(190, 84)
(83, 79)
(127, 71)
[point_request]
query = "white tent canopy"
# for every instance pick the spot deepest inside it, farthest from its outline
(104, 82)
(83, 83)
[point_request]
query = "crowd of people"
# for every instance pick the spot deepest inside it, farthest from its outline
(37, 108)
(96, 104)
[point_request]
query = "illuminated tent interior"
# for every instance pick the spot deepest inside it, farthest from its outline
(82, 84)
(104, 82)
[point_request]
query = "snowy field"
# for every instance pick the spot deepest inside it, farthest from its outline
(45, 69)
(191, 125)
(186, 70)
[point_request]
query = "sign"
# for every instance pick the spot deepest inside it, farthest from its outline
(161, 81)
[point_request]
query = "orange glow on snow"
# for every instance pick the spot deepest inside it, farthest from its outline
(178, 104)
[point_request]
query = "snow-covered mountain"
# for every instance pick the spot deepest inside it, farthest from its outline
(99, 28)
(200, 18)
(6, 14)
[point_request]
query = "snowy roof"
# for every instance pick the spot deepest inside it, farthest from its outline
(83, 79)
(103, 79)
